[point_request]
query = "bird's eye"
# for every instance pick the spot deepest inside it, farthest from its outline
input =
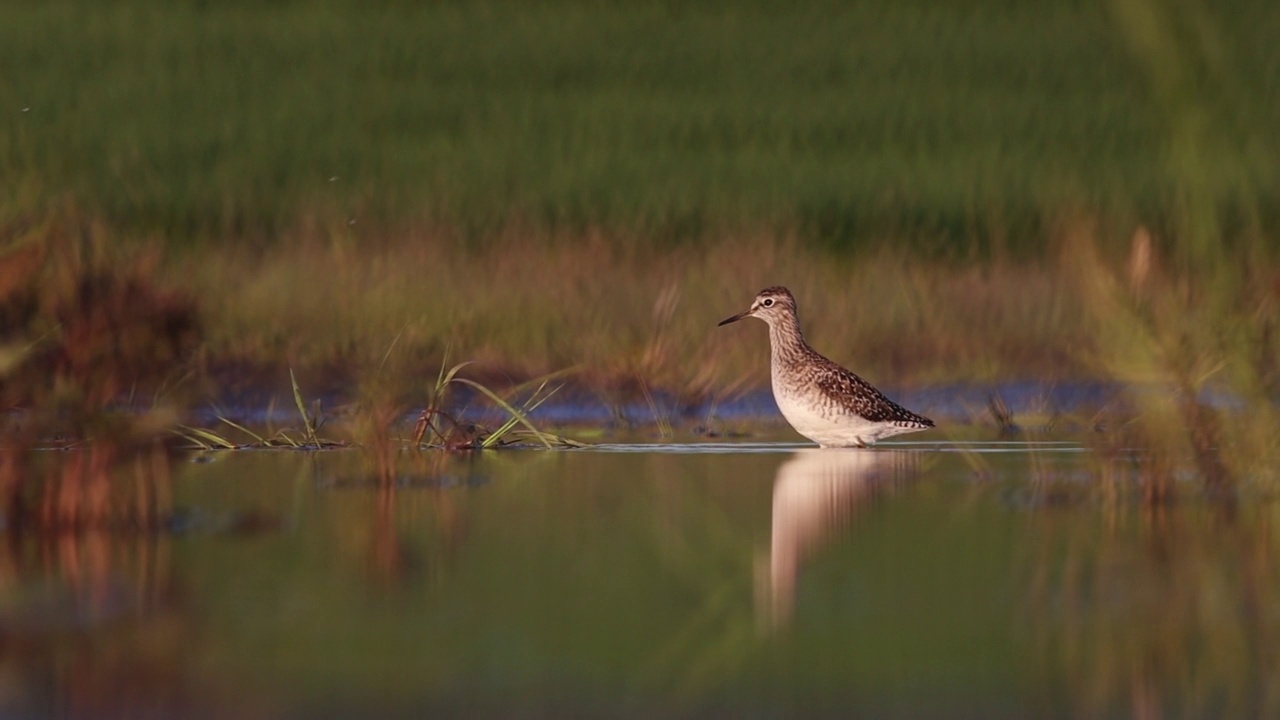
(768, 302)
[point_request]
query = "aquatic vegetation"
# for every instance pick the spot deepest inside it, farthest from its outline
(307, 438)
(436, 425)
(439, 425)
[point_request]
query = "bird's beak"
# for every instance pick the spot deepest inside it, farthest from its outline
(734, 319)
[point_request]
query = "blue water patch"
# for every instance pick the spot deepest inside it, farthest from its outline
(580, 406)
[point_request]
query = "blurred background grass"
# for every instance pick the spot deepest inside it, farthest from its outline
(957, 127)
(955, 190)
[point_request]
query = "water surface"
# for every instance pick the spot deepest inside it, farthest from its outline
(760, 579)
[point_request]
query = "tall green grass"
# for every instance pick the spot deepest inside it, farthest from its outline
(962, 124)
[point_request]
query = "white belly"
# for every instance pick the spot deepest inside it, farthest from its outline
(828, 426)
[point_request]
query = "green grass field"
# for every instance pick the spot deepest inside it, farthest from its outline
(963, 125)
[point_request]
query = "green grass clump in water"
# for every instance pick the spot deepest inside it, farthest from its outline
(308, 438)
(959, 125)
(516, 430)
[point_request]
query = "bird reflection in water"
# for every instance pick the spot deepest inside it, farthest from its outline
(816, 495)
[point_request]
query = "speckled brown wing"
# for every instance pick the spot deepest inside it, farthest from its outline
(859, 396)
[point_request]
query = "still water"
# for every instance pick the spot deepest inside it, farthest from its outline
(703, 580)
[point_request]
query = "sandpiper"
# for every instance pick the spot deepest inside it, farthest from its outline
(824, 402)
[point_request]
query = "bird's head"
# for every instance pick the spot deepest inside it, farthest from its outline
(771, 305)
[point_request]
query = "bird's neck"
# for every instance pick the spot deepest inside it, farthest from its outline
(786, 341)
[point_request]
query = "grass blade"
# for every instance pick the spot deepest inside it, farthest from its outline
(282, 437)
(529, 406)
(193, 440)
(256, 437)
(302, 408)
(212, 438)
(519, 416)
(453, 372)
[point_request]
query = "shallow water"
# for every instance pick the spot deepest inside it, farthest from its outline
(927, 579)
